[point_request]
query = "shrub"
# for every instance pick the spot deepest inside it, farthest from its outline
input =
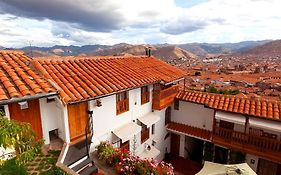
(10, 167)
(105, 150)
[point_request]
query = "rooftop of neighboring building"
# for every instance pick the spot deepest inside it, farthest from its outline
(256, 107)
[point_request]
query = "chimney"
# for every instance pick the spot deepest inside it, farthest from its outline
(148, 51)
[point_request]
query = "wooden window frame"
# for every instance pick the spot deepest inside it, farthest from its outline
(144, 133)
(145, 95)
(122, 102)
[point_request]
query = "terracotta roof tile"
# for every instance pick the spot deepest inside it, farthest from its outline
(87, 77)
(18, 79)
(247, 106)
(190, 130)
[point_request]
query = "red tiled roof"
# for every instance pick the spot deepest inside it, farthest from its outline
(86, 77)
(190, 130)
(253, 107)
(18, 79)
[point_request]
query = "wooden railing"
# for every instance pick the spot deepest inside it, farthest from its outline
(164, 98)
(122, 106)
(250, 143)
(145, 97)
(144, 135)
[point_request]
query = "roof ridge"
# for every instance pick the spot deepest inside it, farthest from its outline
(12, 51)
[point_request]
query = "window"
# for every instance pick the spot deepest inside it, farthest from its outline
(144, 95)
(153, 129)
(144, 133)
(226, 125)
(168, 115)
(125, 145)
(176, 104)
(122, 102)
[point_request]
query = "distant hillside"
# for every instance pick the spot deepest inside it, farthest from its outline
(168, 53)
(205, 49)
(272, 48)
(61, 50)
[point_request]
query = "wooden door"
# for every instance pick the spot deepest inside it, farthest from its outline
(175, 144)
(266, 167)
(77, 121)
(30, 115)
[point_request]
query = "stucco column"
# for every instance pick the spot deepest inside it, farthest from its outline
(182, 144)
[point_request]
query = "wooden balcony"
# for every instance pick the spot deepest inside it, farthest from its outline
(165, 97)
(248, 143)
(122, 106)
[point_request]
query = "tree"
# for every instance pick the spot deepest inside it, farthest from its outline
(20, 137)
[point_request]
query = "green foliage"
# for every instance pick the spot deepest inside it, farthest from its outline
(105, 150)
(2, 114)
(10, 167)
(219, 91)
(54, 171)
(21, 137)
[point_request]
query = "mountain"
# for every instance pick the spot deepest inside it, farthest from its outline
(61, 50)
(168, 53)
(206, 49)
(272, 48)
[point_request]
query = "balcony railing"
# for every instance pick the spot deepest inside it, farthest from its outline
(258, 145)
(164, 98)
(145, 97)
(122, 106)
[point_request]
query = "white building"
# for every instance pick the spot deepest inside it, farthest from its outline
(130, 102)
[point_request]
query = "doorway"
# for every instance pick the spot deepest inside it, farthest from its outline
(194, 149)
(221, 155)
(266, 167)
(29, 114)
(175, 144)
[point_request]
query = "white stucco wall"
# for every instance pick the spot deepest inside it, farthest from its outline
(252, 161)
(53, 116)
(7, 112)
(105, 121)
(194, 115)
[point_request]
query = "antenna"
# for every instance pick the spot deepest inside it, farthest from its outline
(31, 53)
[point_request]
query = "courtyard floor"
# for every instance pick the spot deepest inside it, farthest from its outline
(43, 164)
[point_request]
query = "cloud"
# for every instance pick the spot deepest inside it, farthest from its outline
(183, 26)
(98, 15)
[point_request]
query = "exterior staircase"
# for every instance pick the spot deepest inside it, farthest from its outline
(75, 159)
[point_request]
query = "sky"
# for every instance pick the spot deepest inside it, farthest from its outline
(83, 22)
